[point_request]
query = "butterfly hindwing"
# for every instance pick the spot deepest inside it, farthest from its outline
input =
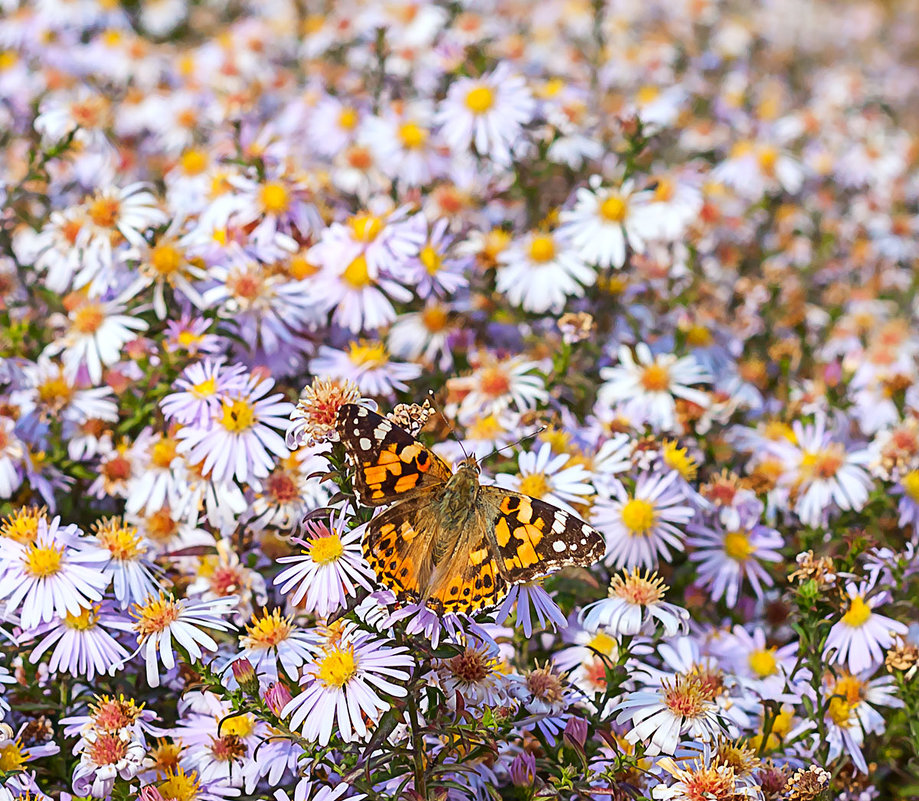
(398, 547)
(389, 463)
(533, 538)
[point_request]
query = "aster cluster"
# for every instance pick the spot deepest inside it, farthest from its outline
(652, 263)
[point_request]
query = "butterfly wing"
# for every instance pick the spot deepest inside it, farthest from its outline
(389, 463)
(399, 546)
(530, 538)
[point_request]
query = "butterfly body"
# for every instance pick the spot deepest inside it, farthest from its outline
(447, 540)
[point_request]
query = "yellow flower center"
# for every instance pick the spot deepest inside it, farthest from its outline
(85, 620)
(22, 524)
(238, 415)
(614, 209)
(155, 615)
(326, 549)
(767, 157)
(851, 688)
(366, 226)
(43, 561)
(12, 756)
(910, 484)
(367, 354)
(300, 268)
(55, 390)
(434, 318)
(337, 667)
(274, 197)
(647, 94)
(858, 614)
(638, 516)
(122, 541)
(104, 212)
(698, 336)
(486, 427)
(266, 632)
(763, 662)
(163, 453)
(347, 119)
(839, 712)
(737, 545)
(356, 273)
(602, 643)
(535, 484)
(431, 260)
(180, 786)
(480, 99)
(166, 259)
(655, 378)
(88, 318)
(542, 248)
(413, 136)
(206, 388)
(676, 458)
(637, 589)
(193, 162)
(823, 464)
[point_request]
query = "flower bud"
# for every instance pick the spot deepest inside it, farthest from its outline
(277, 696)
(523, 770)
(150, 793)
(575, 734)
(245, 676)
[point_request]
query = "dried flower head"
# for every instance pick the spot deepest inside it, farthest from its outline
(317, 410)
(575, 327)
(818, 568)
(903, 656)
(807, 785)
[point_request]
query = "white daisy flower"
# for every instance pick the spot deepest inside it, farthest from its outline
(642, 527)
(605, 220)
(541, 271)
(162, 619)
(635, 606)
(49, 575)
(489, 112)
(648, 388)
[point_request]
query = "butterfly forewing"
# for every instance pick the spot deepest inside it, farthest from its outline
(389, 463)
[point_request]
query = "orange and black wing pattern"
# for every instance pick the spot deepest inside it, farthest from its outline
(389, 463)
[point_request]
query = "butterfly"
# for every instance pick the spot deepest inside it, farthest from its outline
(446, 540)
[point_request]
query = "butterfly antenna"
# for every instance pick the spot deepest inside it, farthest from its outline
(447, 421)
(524, 438)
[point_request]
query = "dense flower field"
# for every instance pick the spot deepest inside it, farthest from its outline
(641, 272)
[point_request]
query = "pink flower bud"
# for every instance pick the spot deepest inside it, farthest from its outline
(277, 697)
(575, 734)
(150, 793)
(245, 675)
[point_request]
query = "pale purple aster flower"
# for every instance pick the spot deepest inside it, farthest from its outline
(726, 558)
(635, 606)
(489, 111)
(477, 674)
(342, 686)
(641, 527)
(366, 364)
(241, 438)
(121, 552)
(200, 390)
(190, 334)
(422, 620)
(907, 487)
(271, 638)
(648, 387)
(530, 599)
(435, 274)
(660, 716)
(329, 569)
(82, 646)
(861, 636)
(105, 755)
(49, 576)
(824, 472)
(161, 620)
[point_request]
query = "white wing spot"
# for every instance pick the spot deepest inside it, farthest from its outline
(573, 546)
(558, 546)
(365, 444)
(561, 520)
(583, 541)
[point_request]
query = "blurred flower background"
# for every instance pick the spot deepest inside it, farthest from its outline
(663, 254)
